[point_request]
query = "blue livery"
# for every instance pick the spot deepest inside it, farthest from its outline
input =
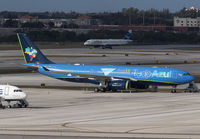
(107, 77)
(127, 36)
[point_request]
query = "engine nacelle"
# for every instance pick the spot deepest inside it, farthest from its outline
(119, 85)
(125, 85)
(139, 85)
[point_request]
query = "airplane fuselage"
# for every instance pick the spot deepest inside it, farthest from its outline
(11, 93)
(151, 75)
(106, 42)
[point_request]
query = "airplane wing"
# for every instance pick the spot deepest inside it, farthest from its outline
(98, 77)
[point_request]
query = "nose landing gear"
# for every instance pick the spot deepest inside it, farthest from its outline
(20, 104)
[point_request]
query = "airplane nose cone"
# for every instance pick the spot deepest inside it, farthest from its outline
(191, 78)
(23, 95)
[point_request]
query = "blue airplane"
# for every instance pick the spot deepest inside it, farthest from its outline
(109, 78)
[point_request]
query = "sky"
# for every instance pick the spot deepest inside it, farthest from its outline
(89, 6)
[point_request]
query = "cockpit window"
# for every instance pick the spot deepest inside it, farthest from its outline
(17, 90)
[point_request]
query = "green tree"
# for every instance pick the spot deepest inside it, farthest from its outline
(10, 23)
(131, 13)
(192, 13)
(33, 25)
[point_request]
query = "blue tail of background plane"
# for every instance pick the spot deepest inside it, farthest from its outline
(128, 35)
(30, 51)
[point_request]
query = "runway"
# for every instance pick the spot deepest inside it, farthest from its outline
(64, 113)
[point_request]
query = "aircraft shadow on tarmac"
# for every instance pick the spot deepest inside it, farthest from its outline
(39, 107)
(34, 107)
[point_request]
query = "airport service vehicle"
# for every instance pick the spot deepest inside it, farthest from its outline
(109, 78)
(12, 93)
(108, 43)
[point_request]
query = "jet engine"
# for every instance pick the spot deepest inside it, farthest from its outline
(125, 85)
(138, 85)
(118, 85)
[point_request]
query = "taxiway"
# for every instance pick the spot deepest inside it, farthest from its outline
(61, 113)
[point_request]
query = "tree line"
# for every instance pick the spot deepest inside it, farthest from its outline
(137, 37)
(127, 16)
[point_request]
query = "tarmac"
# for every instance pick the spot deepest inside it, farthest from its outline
(63, 113)
(59, 112)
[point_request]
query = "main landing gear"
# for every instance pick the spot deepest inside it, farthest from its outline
(173, 89)
(103, 87)
(107, 46)
(100, 89)
(154, 88)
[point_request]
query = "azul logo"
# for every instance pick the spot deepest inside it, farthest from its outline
(31, 52)
(147, 74)
(107, 71)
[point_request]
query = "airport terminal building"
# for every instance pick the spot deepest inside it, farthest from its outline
(186, 22)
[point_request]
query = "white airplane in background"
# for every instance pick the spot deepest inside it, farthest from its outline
(12, 93)
(108, 43)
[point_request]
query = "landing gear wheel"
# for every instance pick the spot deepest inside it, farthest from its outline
(114, 90)
(96, 90)
(20, 106)
(100, 89)
(17, 105)
(103, 89)
(25, 106)
(173, 91)
(9, 106)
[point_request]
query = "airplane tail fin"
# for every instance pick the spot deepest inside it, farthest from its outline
(127, 36)
(30, 51)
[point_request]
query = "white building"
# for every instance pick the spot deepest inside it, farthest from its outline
(186, 22)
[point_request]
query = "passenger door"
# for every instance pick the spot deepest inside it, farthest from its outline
(174, 74)
(6, 91)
